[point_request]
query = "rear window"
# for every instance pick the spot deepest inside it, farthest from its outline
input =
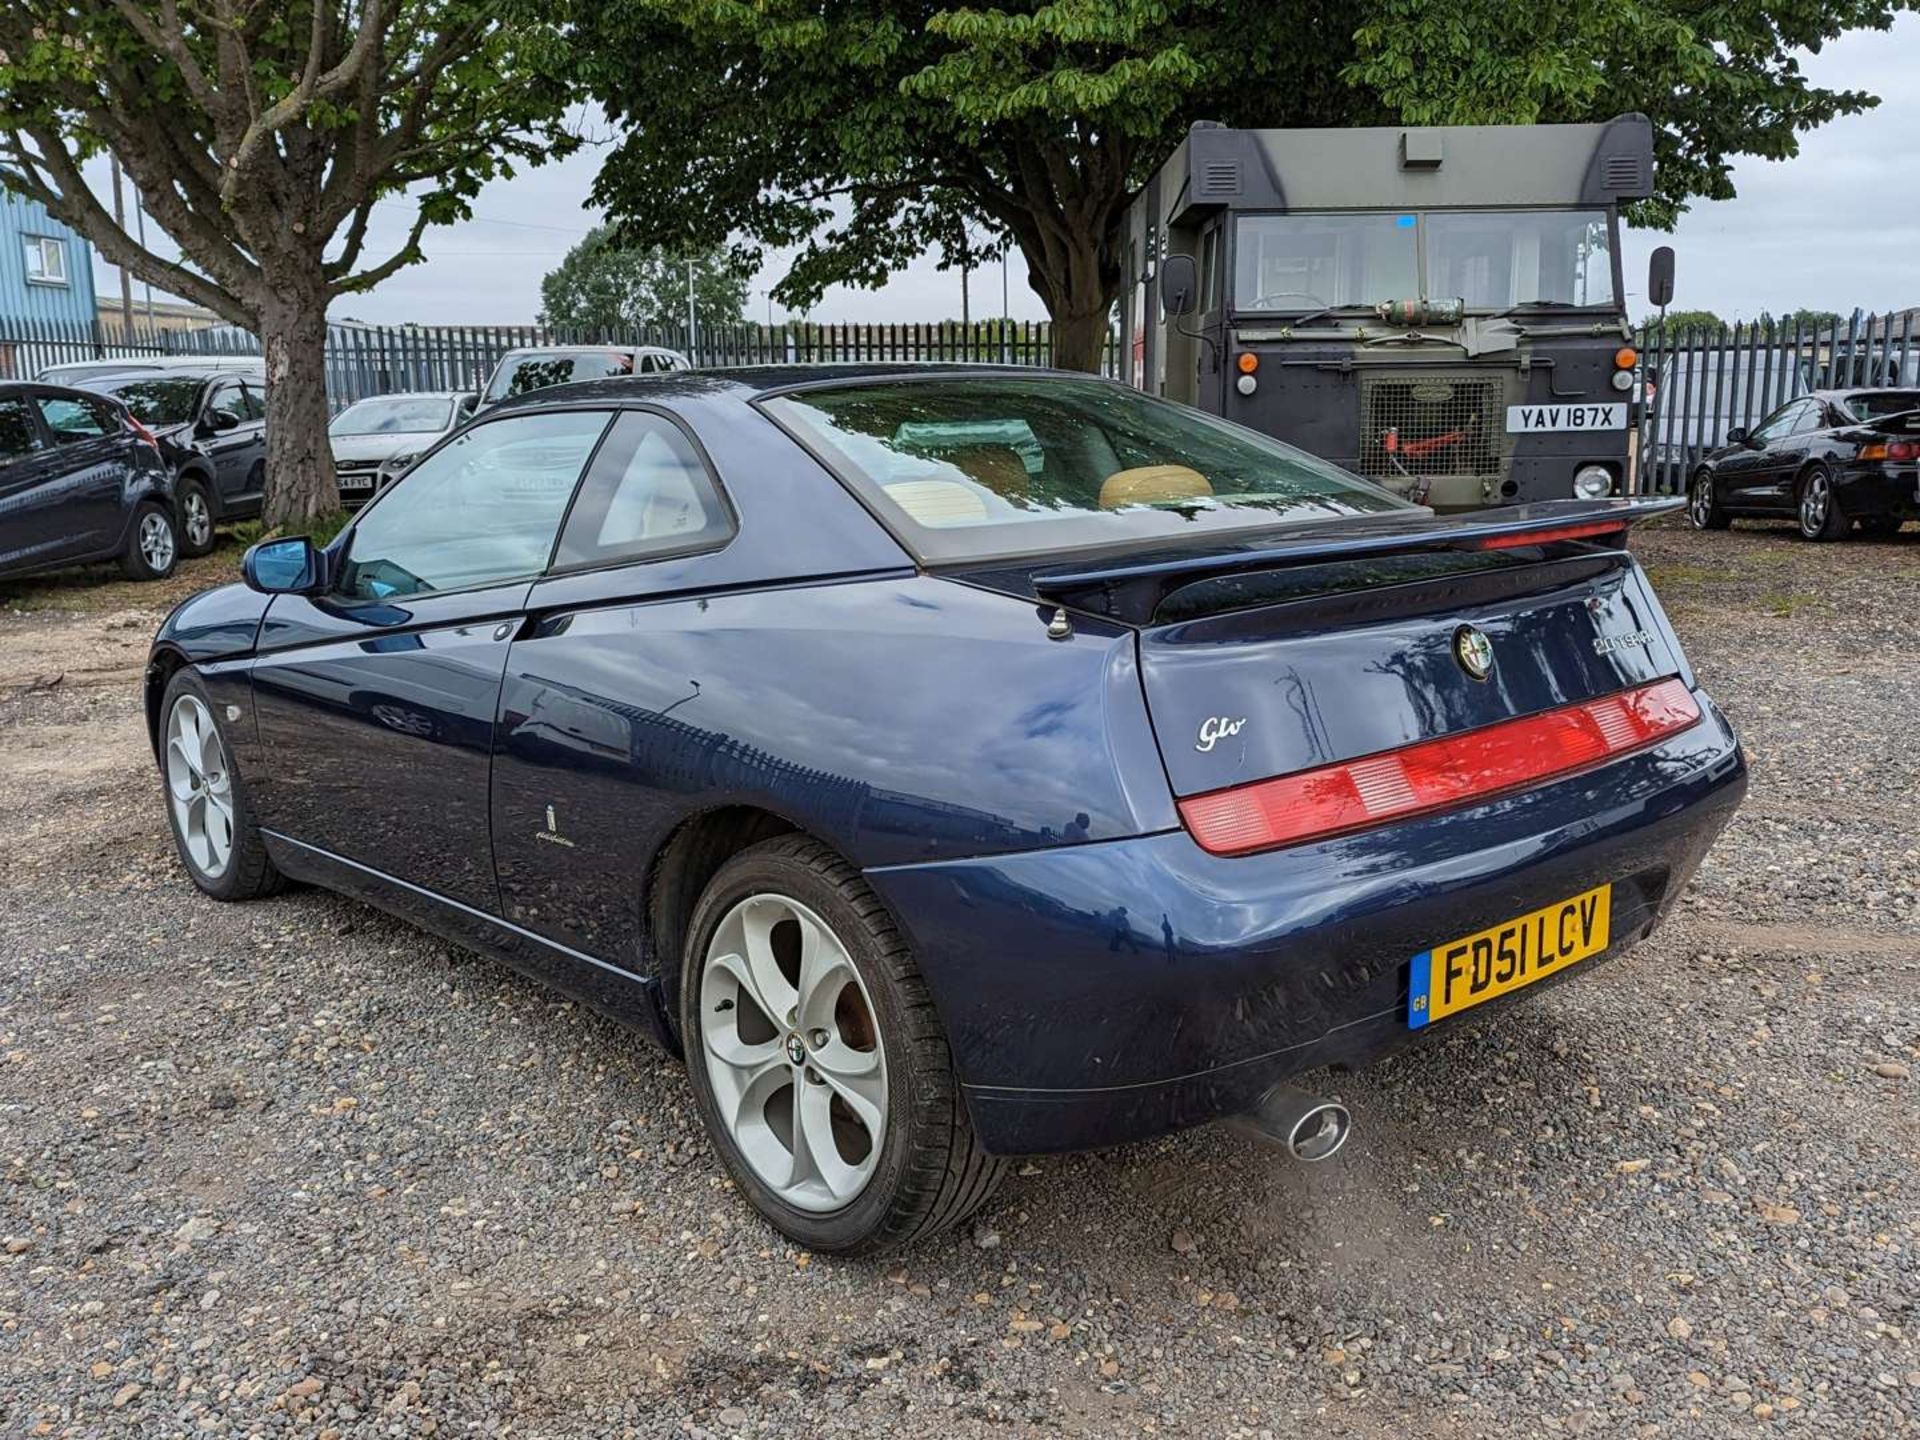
(991, 467)
(1873, 404)
(520, 374)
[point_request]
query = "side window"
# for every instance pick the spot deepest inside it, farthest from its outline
(72, 421)
(1813, 416)
(1778, 424)
(480, 511)
(18, 434)
(253, 405)
(648, 494)
(226, 396)
(648, 363)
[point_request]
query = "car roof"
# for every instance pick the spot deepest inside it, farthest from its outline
(1852, 390)
(46, 387)
(752, 382)
(412, 395)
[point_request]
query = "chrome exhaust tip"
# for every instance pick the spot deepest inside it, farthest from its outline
(1305, 1126)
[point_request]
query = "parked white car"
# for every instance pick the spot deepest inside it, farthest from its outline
(536, 368)
(75, 372)
(376, 439)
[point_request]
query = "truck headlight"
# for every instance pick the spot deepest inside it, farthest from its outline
(1623, 380)
(1592, 482)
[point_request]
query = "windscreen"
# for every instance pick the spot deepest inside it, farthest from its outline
(536, 372)
(154, 402)
(992, 467)
(393, 416)
(1494, 259)
(1310, 262)
(1490, 259)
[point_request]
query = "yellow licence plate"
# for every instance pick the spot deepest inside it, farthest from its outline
(1466, 972)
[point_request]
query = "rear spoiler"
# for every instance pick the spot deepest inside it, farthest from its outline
(1131, 589)
(1901, 422)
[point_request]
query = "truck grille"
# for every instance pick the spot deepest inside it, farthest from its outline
(1441, 424)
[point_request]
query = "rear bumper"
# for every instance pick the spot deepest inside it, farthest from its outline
(1880, 488)
(1097, 994)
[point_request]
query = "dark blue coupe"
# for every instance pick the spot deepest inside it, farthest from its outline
(954, 763)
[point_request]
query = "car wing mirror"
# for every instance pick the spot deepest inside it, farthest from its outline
(283, 567)
(1179, 284)
(221, 420)
(1738, 436)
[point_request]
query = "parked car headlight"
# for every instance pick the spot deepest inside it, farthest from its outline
(1592, 482)
(394, 466)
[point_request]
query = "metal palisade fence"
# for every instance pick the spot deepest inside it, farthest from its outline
(365, 360)
(1709, 379)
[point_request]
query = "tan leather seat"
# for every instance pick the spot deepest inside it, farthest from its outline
(1152, 484)
(998, 467)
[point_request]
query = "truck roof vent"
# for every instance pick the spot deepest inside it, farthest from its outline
(1623, 173)
(1218, 180)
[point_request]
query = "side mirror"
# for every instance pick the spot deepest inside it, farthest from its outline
(469, 402)
(1660, 276)
(1737, 435)
(1179, 284)
(217, 420)
(282, 567)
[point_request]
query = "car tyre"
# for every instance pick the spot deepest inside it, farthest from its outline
(791, 1099)
(1816, 507)
(195, 506)
(1703, 506)
(207, 799)
(153, 543)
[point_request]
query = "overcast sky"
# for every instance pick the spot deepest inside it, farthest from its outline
(1832, 229)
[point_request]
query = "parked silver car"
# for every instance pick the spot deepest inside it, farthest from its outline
(536, 368)
(375, 439)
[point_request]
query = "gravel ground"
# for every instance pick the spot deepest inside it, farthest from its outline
(295, 1168)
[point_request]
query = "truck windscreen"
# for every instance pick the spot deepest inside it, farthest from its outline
(1490, 259)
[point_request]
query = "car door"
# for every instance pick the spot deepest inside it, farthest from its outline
(253, 424)
(87, 473)
(230, 449)
(375, 700)
(1746, 472)
(1786, 455)
(32, 529)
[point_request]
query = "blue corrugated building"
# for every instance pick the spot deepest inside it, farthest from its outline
(46, 270)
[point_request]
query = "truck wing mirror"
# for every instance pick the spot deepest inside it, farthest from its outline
(1660, 276)
(1179, 284)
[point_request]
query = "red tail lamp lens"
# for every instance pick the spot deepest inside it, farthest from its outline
(1437, 774)
(1588, 531)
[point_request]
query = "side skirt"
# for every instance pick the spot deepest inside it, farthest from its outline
(632, 1000)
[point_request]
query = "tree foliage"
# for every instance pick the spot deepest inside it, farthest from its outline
(261, 134)
(605, 285)
(1678, 322)
(868, 132)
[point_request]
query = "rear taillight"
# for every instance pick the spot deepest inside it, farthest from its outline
(142, 432)
(1437, 774)
(1588, 531)
(1890, 450)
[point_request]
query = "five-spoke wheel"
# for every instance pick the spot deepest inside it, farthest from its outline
(793, 1052)
(199, 786)
(816, 1057)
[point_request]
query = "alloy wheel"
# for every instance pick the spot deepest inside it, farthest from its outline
(199, 519)
(793, 1051)
(1702, 508)
(156, 542)
(1815, 496)
(199, 786)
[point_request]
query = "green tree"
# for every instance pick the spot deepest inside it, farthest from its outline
(1679, 321)
(261, 135)
(604, 285)
(869, 133)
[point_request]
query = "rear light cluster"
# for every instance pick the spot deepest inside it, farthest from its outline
(1890, 450)
(1589, 530)
(1437, 774)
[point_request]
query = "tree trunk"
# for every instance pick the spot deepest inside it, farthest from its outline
(293, 332)
(1080, 340)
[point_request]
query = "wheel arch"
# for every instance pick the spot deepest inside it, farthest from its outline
(680, 872)
(164, 664)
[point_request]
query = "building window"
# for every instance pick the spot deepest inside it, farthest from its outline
(46, 260)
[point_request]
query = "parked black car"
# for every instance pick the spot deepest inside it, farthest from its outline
(1831, 459)
(80, 480)
(212, 428)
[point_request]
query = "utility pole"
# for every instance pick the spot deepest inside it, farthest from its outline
(693, 341)
(126, 278)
